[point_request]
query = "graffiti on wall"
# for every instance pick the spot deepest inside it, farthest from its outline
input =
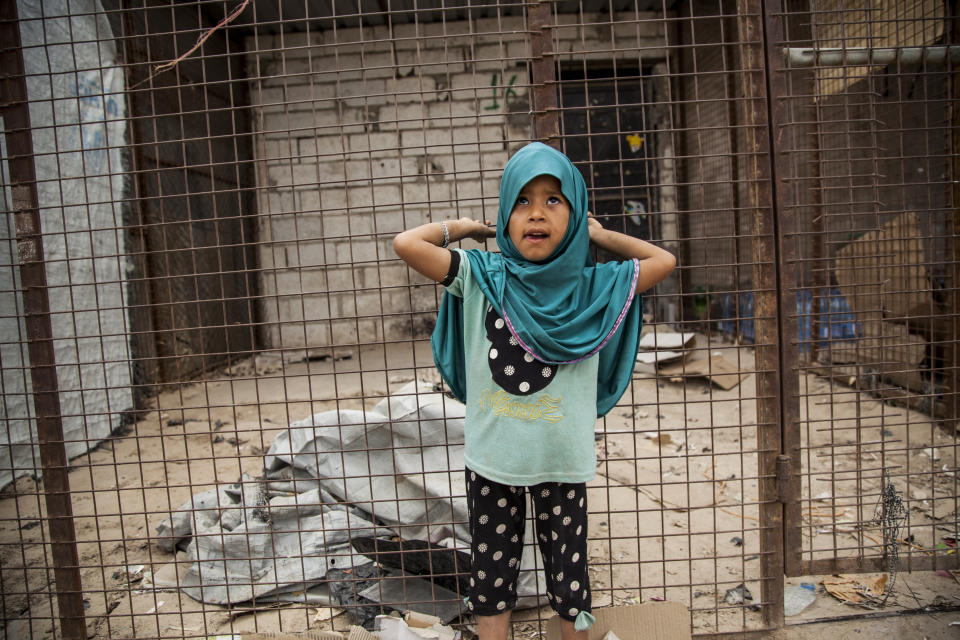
(506, 92)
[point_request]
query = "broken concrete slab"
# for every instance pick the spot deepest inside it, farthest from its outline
(661, 339)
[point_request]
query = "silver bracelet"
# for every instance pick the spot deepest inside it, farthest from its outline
(446, 235)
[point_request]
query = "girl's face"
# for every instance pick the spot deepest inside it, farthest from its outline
(539, 218)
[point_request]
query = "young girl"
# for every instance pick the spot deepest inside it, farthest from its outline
(538, 342)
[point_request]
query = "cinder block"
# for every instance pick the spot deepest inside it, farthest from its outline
(370, 330)
(426, 191)
(304, 95)
(268, 96)
(388, 169)
(318, 334)
(393, 273)
(285, 64)
(360, 223)
(362, 249)
(424, 297)
(287, 282)
(413, 89)
(313, 278)
(316, 307)
(388, 221)
(305, 253)
(405, 116)
(357, 170)
(374, 59)
(368, 302)
(518, 49)
(340, 278)
(440, 61)
(278, 201)
(335, 224)
(374, 142)
(480, 139)
(343, 304)
(412, 142)
(471, 81)
(460, 110)
(397, 300)
(368, 276)
(358, 88)
(266, 257)
(324, 197)
(279, 150)
(301, 122)
(310, 147)
(307, 173)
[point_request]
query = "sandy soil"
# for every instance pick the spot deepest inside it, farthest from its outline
(674, 507)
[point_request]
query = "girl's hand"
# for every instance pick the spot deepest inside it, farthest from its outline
(594, 228)
(474, 229)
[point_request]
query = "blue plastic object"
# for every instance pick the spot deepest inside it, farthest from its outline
(837, 321)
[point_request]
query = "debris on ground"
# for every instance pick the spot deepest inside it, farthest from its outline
(738, 595)
(717, 369)
(414, 626)
(287, 535)
(796, 598)
(659, 347)
(862, 589)
(346, 591)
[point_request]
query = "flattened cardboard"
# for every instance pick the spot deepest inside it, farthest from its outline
(648, 621)
(883, 273)
(717, 370)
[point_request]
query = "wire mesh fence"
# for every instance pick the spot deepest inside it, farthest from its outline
(220, 409)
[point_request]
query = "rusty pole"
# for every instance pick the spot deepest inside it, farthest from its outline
(764, 236)
(953, 34)
(544, 70)
(15, 111)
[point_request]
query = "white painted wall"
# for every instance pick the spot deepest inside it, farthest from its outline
(363, 133)
(77, 115)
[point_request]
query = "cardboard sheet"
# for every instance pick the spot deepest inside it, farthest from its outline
(717, 370)
(883, 273)
(648, 621)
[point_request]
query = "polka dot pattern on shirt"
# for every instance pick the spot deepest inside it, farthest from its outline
(515, 370)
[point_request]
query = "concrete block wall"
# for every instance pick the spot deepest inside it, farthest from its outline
(363, 132)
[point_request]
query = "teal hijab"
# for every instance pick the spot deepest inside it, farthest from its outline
(561, 310)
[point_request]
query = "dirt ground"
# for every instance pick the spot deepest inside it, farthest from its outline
(674, 508)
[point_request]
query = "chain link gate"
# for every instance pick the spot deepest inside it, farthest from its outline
(222, 283)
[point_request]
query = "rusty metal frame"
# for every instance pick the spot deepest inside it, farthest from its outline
(15, 113)
(761, 202)
(544, 72)
(758, 96)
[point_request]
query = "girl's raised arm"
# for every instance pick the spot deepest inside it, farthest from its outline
(424, 247)
(655, 263)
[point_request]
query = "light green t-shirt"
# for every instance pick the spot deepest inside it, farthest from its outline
(541, 436)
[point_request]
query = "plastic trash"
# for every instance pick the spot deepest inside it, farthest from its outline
(797, 598)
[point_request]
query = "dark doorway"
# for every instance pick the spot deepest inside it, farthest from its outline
(606, 134)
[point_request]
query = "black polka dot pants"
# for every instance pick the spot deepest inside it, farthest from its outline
(497, 514)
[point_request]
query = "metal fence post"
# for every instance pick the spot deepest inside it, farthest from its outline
(15, 111)
(546, 116)
(760, 202)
